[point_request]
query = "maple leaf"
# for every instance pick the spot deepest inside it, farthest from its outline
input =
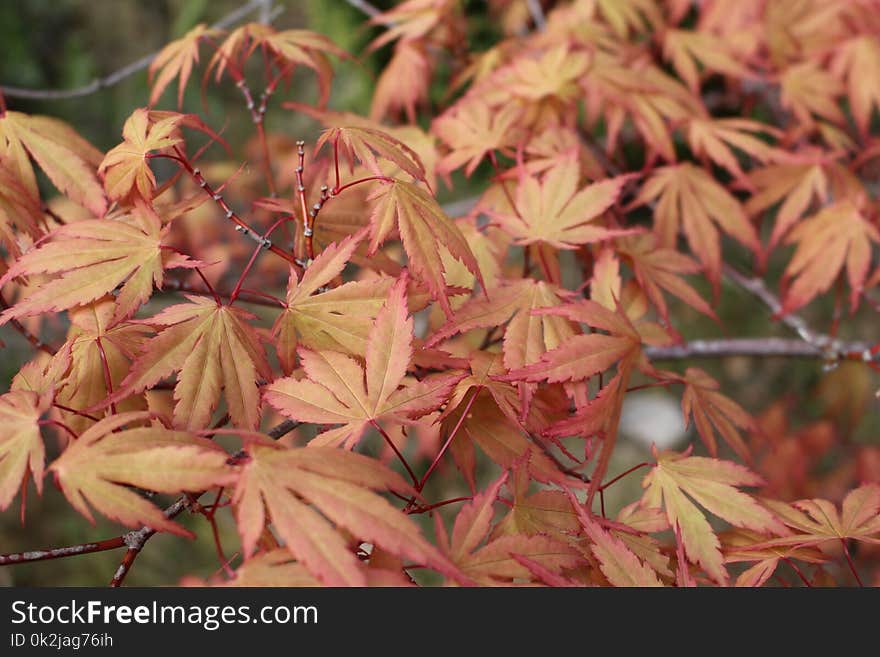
(797, 185)
(212, 347)
(404, 82)
(688, 198)
(472, 130)
(502, 438)
(66, 158)
(95, 469)
(410, 20)
(306, 48)
(713, 138)
(746, 546)
(94, 342)
(616, 561)
(527, 335)
(686, 48)
(856, 62)
(819, 522)
(807, 89)
(423, 227)
(92, 258)
(676, 479)
(838, 235)
(545, 511)
(340, 390)
(495, 562)
(282, 483)
(21, 446)
(583, 356)
(338, 319)
(551, 210)
(126, 167)
(288, 49)
(19, 211)
(176, 60)
(710, 408)
(364, 144)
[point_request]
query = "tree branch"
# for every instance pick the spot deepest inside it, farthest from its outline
(365, 7)
(118, 76)
(760, 347)
(758, 288)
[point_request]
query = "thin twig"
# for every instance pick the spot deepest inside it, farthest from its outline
(365, 7)
(118, 76)
(758, 288)
(59, 553)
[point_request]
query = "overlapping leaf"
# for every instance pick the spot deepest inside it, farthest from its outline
(66, 158)
(837, 237)
(689, 199)
(91, 259)
(423, 228)
(21, 445)
(494, 562)
(712, 411)
(818, 522)
(527, 335)
(365, 144)
(340, 390)
(95, 470)
(282, 484)
(677, 479)
(213, 347)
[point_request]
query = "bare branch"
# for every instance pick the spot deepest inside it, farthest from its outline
(114, 78)
(59, 553)
(760, 347)
(365, 7)
(758, 288)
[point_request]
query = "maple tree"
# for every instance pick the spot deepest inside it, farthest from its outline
(380, 379)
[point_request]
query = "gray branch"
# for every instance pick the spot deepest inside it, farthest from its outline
(759, 347)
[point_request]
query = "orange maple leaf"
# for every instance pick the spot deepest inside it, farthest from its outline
(837, 236)
(67, 159)
(676, 479)
(96, 468)
(92, 258)
(494, 561)
(340, 390)
(819, 523)
(21, 445)
(282, 483)
(423, 228)
(689, 199)
(213, 347)
(552, 210)
(176, 60)
(472, 130)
